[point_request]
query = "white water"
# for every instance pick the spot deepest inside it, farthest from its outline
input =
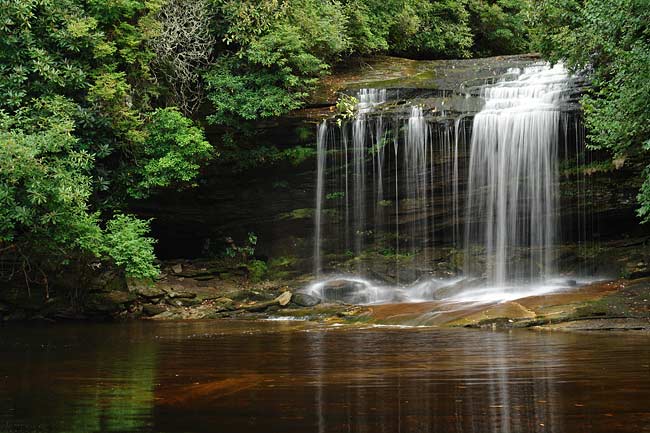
(513, 176)
(395, 184)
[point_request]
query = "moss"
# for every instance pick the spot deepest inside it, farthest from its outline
(308, 213)
(256, 270)
(297, 214)
(281, 268)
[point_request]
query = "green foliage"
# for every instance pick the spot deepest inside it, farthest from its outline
(346, 107)
(644, 198)
(419, 28)
(44, 213)
(257, 269)
(242, 251)
(238, 157)
(172, 152)
(78, 129)
(275, 50)
(44, 190)
(126, 242)
(278, 49)
(240, 91)
(611, 40)
(500, 26)
(335, 195)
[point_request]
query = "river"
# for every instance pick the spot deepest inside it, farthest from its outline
(238, 376)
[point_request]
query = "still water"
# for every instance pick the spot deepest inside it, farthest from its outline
(235, 376)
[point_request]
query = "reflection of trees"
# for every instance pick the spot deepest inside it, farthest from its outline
(125, 403)
(82, 384)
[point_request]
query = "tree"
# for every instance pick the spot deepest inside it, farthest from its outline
(80, 132)
(184, 49)
(610, 41)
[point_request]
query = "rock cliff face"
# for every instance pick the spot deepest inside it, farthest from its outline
(276, 200)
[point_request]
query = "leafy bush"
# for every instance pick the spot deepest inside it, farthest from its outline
(257, 269)
(126, 242)
(44, 212)
(172, 153)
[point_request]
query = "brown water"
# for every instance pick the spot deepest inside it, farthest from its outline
(291, 377)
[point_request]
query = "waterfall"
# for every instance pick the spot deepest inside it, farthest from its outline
(513, 175)
(412, 191)
(320, 173)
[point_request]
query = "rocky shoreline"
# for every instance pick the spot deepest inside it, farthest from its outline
(191, 290)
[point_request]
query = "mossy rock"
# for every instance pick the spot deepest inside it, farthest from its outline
(111, 302)
(148, 292)
(153, 309)
(108, 281)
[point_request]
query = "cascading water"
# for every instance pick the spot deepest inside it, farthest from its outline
(392, 182)
(513, 175)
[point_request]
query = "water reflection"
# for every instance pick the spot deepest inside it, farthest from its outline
(238, 377)
(76, 380)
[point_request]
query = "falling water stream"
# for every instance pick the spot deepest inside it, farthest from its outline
(406, 180)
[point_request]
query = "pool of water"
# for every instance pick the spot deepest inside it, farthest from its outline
(236, 376)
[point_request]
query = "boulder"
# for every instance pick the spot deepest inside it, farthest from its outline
(109, 280)
(304, 300)
(284, 298)
(109, 303)
(148, 292)
(345, 290)
(153, 309)
(188, 302)
(177, 268)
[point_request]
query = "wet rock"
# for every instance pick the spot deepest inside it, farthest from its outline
(179, 293)
(304, 300)
(148, 292)
(177, 268)
(168, 315)
(639, 271)
(153, 309)
(224, 304)
(243, 295)
(107, 281)
(452, 290)
(109, 303)
(59, 308)
(345, 291)
(188, 302)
